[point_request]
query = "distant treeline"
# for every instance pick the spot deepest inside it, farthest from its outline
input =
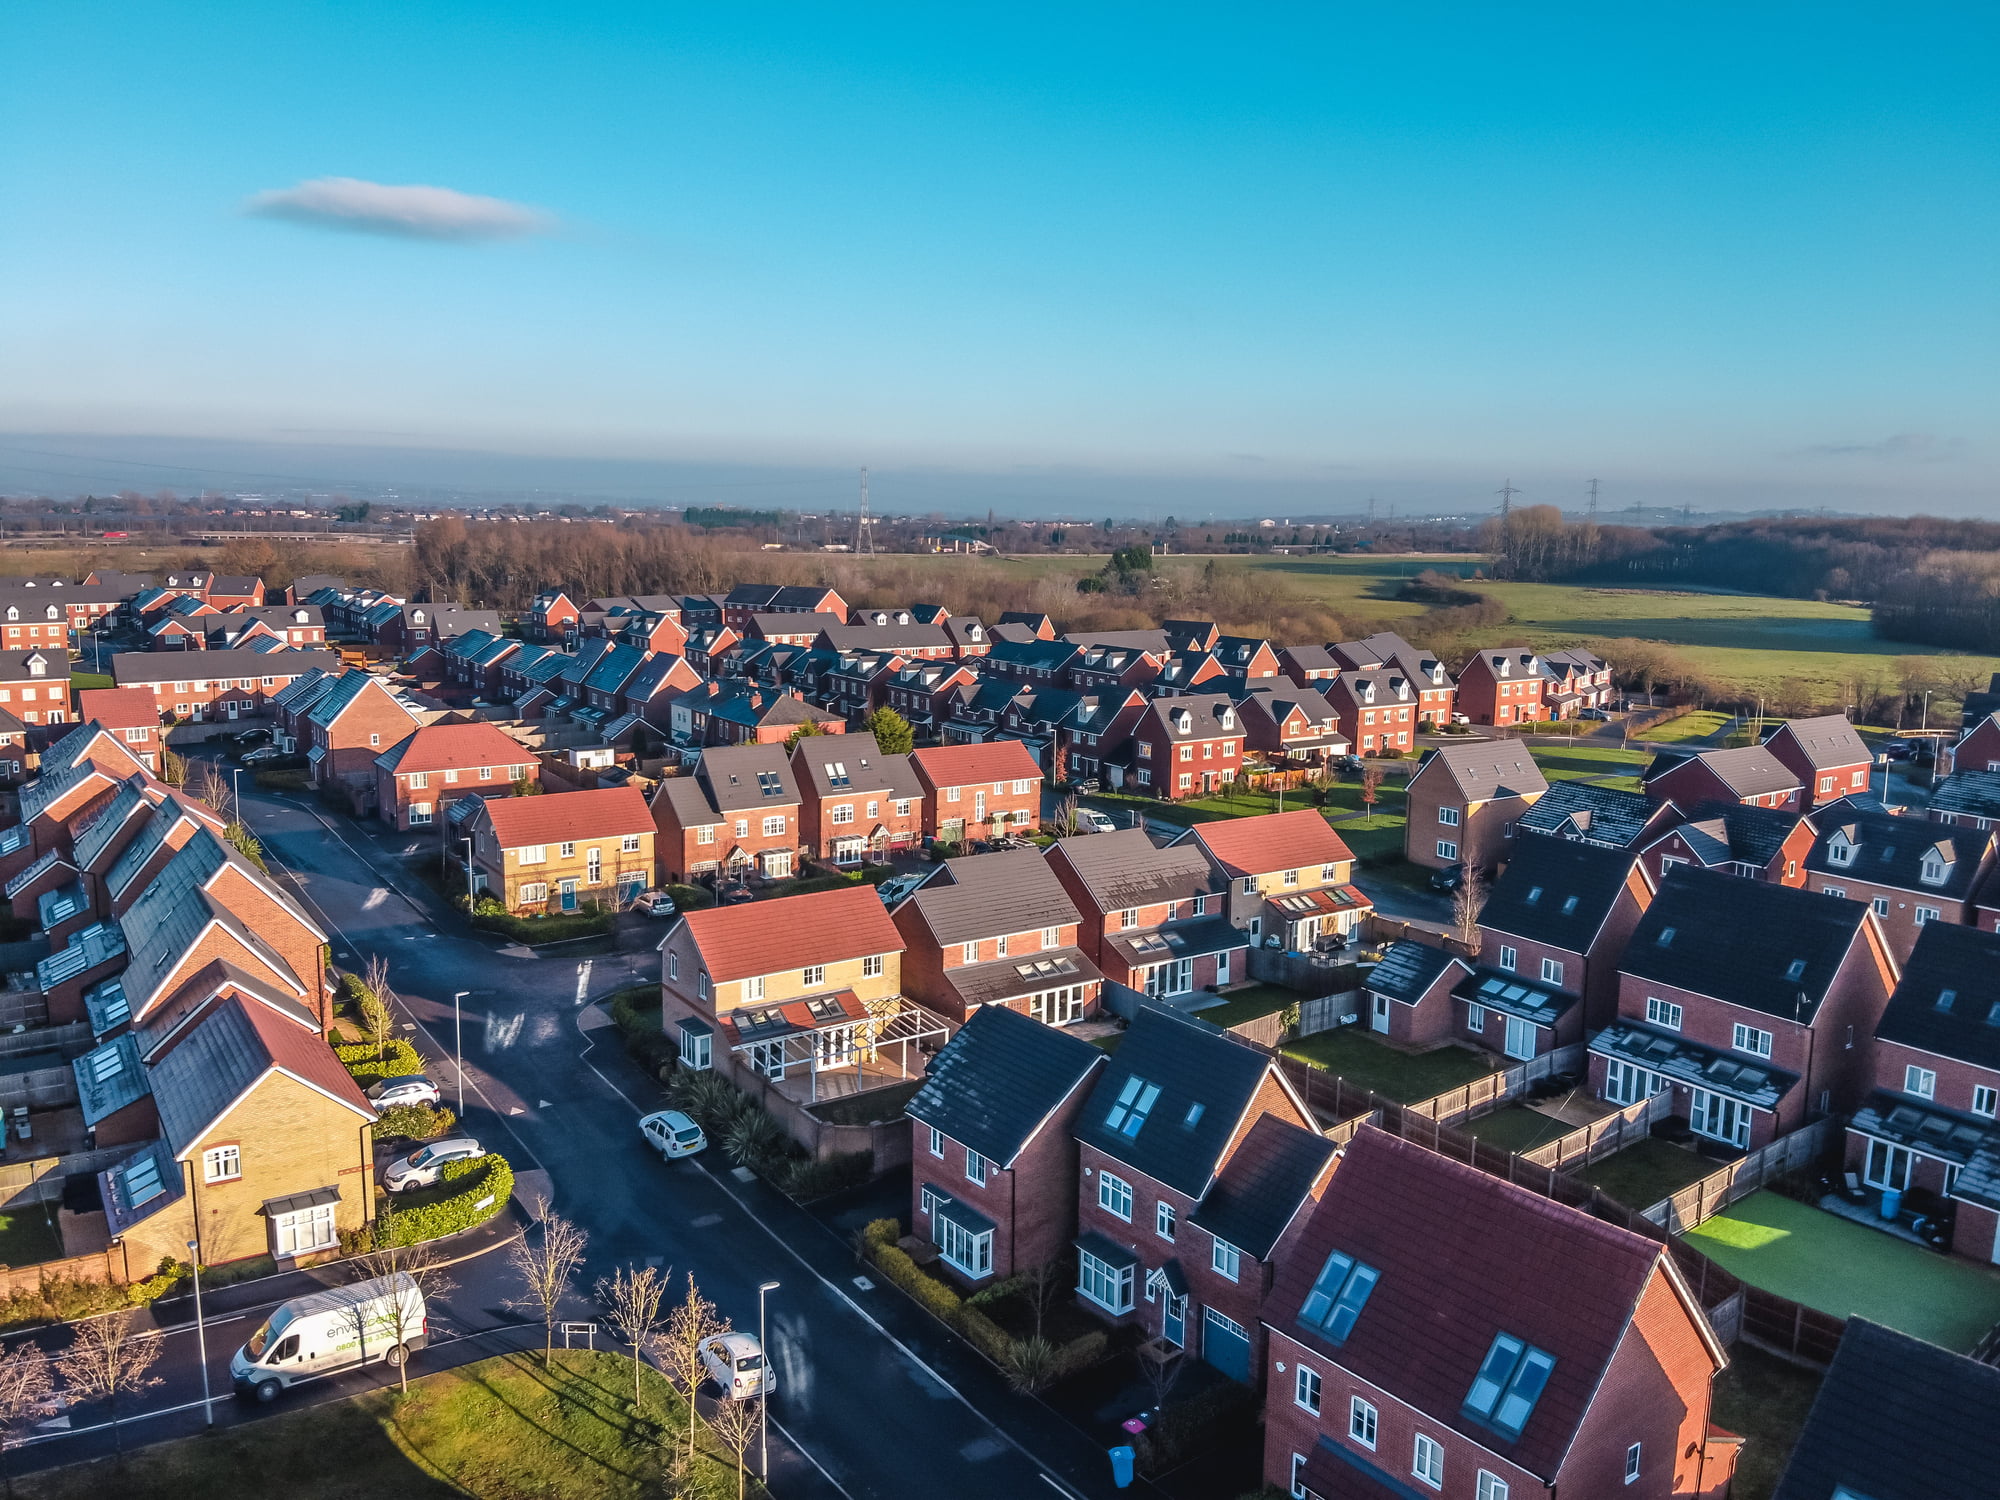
(712, 516)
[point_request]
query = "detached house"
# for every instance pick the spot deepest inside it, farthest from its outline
(859, 804)
(553, 617)
(994, 1180)
(563, 851)
(1830, 760)
(1152, 919)
(737, 816)
(1190, 745)
(1502, 686)
(1289, 877)
(1376, 709)
(1733, 838)
(1437, 1330)
(357, 718)
(436, 765)
(1464, 801)
(997, 931)
(1199, 1167)
(34, 685)
(1755, 1003)
(1750, 774)
(973, 791)
(1910, 872)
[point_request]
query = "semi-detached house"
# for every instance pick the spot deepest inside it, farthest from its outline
(562, 852)
(1910, 872)
(1153, 919)
(1289, 877)
(859, 804)
(1189, 745)
(436, 765)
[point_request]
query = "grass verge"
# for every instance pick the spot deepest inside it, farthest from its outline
(1403, 1076)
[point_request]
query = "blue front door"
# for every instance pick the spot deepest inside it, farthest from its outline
(569, 895)
(1173, 1321)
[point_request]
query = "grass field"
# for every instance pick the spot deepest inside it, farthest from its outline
(502, 1427)
(1698, 725)
(1849, 1270)
(1607, 764)
(1403, 1076)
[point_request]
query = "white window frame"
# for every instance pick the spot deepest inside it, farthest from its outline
(1663, 1013)
(965, 1252)
(1307, 1389)
(1985, 1100)
(1491, 1486)
(1363, 1422)
(1633, 1458)
(1510, 958)
(222, 1163)
(1116, 1279)
(977, 1168)
(1552, 971)
(937, 1141)
(305, 1231)
(1448, 817)
(775, 826)
(1446, 849)
(1427, 1460)
(1922, 1082)
(1750, 1039)
(1166, 1218)
(1112, 1190)
(1226, 1260)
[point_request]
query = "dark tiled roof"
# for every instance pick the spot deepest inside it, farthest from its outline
(999, 1079)
(1263, 1184)
(1673, 1056)
(1753, 834)
(1182, 940)
(1898, 1419)
(1748, 942)
(1009, 978)
(1600, 814)
(1122, 869)
(1462, 1257)
(1557, 891)
(1949, 999)
(1408, 969)
(1888, 850)
(1205, 1082)
(1827, 743)
(1513, 995)
(987, 895)
(1748, 770)
(1487, 769)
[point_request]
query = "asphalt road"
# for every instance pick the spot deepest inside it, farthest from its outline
(871, 1391)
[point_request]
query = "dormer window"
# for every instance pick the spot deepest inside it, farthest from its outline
(1840, 852)
(1934, 869)
(1229, 718)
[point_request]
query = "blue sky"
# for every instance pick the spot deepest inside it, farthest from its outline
(1741, 254)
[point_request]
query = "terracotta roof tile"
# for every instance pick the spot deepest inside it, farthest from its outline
(793, 932)
(563, 816)
(1274, 841)
(441, 747)
(968, 765)
(119, 708)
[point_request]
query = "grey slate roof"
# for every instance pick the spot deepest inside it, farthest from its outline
(1408, 969)
(738, 777)
(1205, 1080)
(1748, 770)
(110, 1077)
(1888, 850)
(129, 668)
(1011, 978)
(1123, 869)
(1265, 1182)
(995, 1082)
(1674, 1057)
(1557, 891)
(1973, 793)
(128, 803)
(1486, 770)
(171, 913)
(1596, 814)
(1513, 995)
(1948, 1000)
(987, 895)
(212, 1066)
(1182, 940)
(1898, 1419)
(1772, 948)
(39, 795)
(1827, 742)
(865, 768)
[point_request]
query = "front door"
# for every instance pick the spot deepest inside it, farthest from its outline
(1378, 1019)
(1222, 968)
(1173, 1320)
(568, 889)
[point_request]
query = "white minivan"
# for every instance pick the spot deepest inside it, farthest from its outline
(341, 1328)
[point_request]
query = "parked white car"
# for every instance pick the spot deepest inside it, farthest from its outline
(735, 1362)
(414, 1088)
(426, 1164)
(1090, 820)
(672, 1134)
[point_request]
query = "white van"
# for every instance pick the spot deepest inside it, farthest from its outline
(342, 1328)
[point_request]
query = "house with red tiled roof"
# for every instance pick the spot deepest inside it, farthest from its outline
(1290, 876)
(974, 791)
(561, 852)
(438, 764)
(132, 714)
(801, 996)
(1435, 1330)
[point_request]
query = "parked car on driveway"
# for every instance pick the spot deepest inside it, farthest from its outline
(734, 894)
(261, 754)
(1592, 713)
(1897, 749)
(1090, 820)
(1450, 878)
(672, 1134)
(414, 1088)
(250, 737)
(735, 1362)
(426, 1164)
(655, 904)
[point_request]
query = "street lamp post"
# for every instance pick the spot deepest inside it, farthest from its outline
(201, 1333)
(471, 899)
(236, 792)
(458, 1046)
(764, 1403)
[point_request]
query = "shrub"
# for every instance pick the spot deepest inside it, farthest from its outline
(397, 1060)
(282, 781)
(691, 897)
(1185, 1427)
(987, 1336)
(636, 1008)
(753, 1139)
(805, 1180)
(1080, 1353)
(1028, 1364)
(998, 1291)
(474, 1183)
(416, 1122)
(879, 1232)
(707, 1097)
(937, 1299)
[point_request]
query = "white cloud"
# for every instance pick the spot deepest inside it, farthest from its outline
(413, 212)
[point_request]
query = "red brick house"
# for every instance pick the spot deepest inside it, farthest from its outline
(737, 713)
(923, 692)
(1291, 726)
(234, 592)
(1436, 1330)
(1754, 1045)
(1827, 756)
(1736, 838)
(971, 791)
(1502, 686)
(748, 599)
(736, 816)
(1199, 1166)
(1376, 710)
(354, 722)
(1436, 692)
(1966, 799)
(34, 685)
(1190, 745)
(997, 931)
(1749, 774)
(1464, 800)
(131, 714)
(1152, 919)
(217, 686)
(859, 803)
(1309, 666)
(1409, 996)
(553, 618)
(1910, 872)
(1289, 876)
(1930, 1123)
(994, 1185)
(1978, 749)
(423, 773)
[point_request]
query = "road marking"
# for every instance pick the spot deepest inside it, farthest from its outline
(706, 1221)
(802, 1451)
(582, 980)
(864, 1283)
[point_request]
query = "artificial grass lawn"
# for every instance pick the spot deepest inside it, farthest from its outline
(1641, 1175)
(1848, 1270)
(1402, 1076)
(1763, 1399)
(1698, 725)
(28, 1237)
(1249, 1004)
(502, 1427)
(1516, 1128)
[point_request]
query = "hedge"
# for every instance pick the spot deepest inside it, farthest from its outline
(415, 1122)
(398, 1059)
(937, 1299)
(691, 897)
(484, 1177)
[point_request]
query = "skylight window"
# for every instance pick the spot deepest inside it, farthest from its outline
(1666, 938)
(1509, 1383)
(1569, 906)
(142, 1182)
(769, 784)
(1797, 969)
(1135, 1102)
(1534, 894)
(106, 1064)
(1945, 999)
(1194, 1115)
(836, 774)
(1338, 1294)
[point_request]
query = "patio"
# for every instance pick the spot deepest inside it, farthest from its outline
(1847, 1270)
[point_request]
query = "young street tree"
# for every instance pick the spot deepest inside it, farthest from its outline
(374, 1003)
(1371, 781)
(398, 1319)
(104, 1362)
(548, 1263)
(735, 1422)
(25, 1383)
(693, 1320)
(632, 1296)
(1466, 904)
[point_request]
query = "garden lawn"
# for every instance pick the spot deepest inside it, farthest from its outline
(1250, 1004)
(1764, 1399)
(27, 1238)
(1405, 1077)
(1641, 1175)
(1516, 1128)
(500, 1427)
(1849, 1270)
(1698, 725)
(83, 681)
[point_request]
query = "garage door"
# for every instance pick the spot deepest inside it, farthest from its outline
(1225, 1343)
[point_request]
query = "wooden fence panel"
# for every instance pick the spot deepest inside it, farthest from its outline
(1790, 1328)
(1703, 1200)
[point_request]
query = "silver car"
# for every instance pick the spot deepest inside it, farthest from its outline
(426, 1164)
(413, 1088)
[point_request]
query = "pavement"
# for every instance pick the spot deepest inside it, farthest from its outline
(871, 1390)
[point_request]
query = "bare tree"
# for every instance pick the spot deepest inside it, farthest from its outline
(549, 1265)
(735, 1422)
(1466, 904)
(632, 1296)
(1041, 1285)
(691, 1323)
(25, 1383)
(374, 1003)
(105, 1361)
(398, 1319)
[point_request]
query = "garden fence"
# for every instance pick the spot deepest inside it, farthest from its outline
(1703, 1200)
(1601, 1138)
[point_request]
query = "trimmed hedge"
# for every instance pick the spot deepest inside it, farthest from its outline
(691, 897)
(937, 1299)
(475, 1180)
(416, 1122)
(398, 1060)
